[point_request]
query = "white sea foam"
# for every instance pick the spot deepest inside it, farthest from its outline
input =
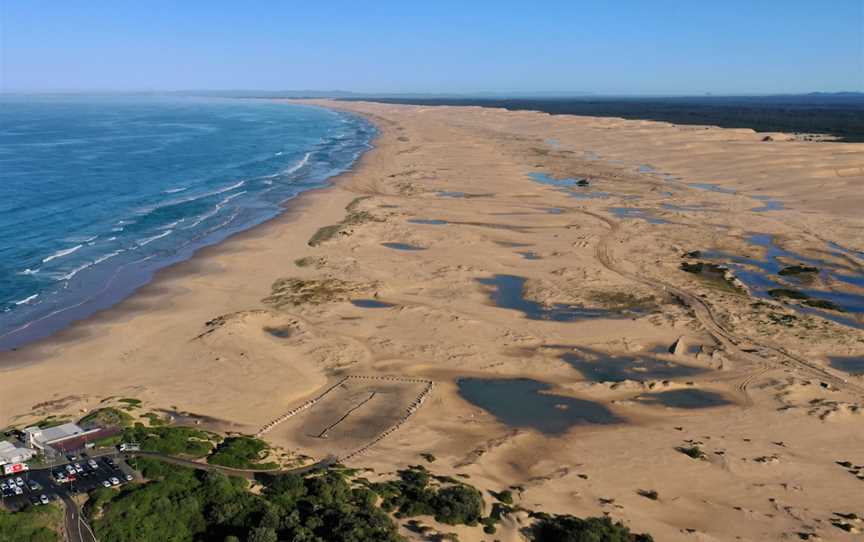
(175, 190)
(215, 210)
(28, 271)
(27, 300)
(299, 164)
(61, 253)
(151, 239)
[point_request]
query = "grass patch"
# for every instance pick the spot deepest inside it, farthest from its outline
(798, 270)
(691, 451)
(505, 496)
(154, 419)
(295, 291)
(428, 457)
(184, 441)
(242, 453)
(106, 417)
(51, 421)
(32, 524)
(353, 217)
(648, 494)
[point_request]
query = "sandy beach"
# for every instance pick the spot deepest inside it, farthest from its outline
(463, 249)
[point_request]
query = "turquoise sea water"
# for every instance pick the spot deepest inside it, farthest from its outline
(98, 193)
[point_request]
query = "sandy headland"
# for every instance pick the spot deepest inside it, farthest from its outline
(661, 323)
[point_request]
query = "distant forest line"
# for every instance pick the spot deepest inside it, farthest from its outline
(840, 115)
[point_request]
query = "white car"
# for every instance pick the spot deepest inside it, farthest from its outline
(114, 481)
(93, 464)
(2, 486)
(43, 499)
(19, 481)
(18, 490)
(106, 483)
(78, 467)
(129, 477)
(70, 469)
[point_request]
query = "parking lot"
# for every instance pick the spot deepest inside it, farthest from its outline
(78, 476)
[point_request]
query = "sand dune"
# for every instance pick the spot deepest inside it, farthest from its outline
(475, 270)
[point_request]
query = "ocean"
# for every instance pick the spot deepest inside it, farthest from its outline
(97, 193)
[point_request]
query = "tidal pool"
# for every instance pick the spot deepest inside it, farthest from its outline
(686, 399)
(520, 402)
(509, 293)
(530, 255)
(769, 205)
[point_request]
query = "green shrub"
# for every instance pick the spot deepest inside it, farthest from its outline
(568, 528)
(171, 440)
(241, 453)
(32, 524)
(106, 417)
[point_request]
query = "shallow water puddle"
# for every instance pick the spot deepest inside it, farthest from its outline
(428, 221)
(589, 195)
(769, 205)
(854, 365)
(602, 367)
(520, 402)
(371, 304)
(712, 187)
(509, 293)
(543, 178)
(279, 332)
(466, 195)
(530, 255)
(402, 246)
(625, 213)
(686, 399)
(784, 274)
(698, 207)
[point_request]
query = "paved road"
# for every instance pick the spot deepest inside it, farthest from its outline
(77, 528)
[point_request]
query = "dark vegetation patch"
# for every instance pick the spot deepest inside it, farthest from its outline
(296, 291)
(786, 293)
(798, 270)
(308, 261)
(567, 528)
(168, 440)
(353, 217)
(693, 452)
(649, 494)
(106, 417)
(32, 524)
(242, 453)
(417, 493)
(715, 274)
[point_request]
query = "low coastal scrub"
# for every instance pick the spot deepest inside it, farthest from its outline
(354, 217)
(32, 524)
(182, 504)
(297, 291)
(417, 493)
(106, 417)
(171, 440)
(242, 453)
(566, 528)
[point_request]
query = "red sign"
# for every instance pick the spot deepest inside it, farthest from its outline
(13, 468)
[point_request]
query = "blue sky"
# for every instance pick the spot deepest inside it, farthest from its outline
(619, 47)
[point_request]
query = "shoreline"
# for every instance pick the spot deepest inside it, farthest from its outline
(109, 298)
(476, 271)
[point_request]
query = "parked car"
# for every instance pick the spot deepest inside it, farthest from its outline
(34, 485)
(18, 490)
(93, 464)
(43, 498)
(106, 483)
(19, 481)
(114, 481)
(129, 477)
